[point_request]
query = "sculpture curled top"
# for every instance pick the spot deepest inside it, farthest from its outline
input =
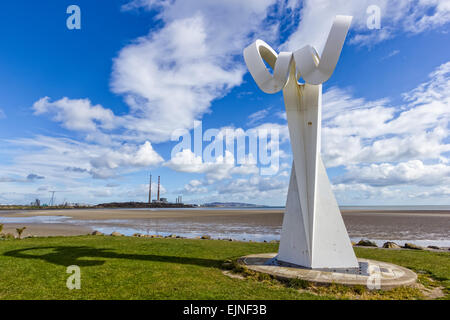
(308, 65)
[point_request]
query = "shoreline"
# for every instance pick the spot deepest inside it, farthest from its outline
(70, 230)
(378, 210)
(44, 232)
(248, 224)
(389, 211)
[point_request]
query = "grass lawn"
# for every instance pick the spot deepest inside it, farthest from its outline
(143, 268)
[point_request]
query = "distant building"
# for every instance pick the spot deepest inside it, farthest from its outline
(163, 200)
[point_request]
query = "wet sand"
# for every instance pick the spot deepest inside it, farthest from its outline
(240, 223)
(270, 216)
(199, 221)
(398, 225)
(44, 230)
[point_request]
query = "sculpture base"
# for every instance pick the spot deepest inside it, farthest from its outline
(276, 262)
(371, 273)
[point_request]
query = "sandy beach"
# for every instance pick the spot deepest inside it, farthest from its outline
(256, 224)
(107, 214)
(43, 230)
(81, 220)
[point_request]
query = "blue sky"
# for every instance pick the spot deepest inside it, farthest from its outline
(91, 112)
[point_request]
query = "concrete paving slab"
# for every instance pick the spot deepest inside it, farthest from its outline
(373, 274)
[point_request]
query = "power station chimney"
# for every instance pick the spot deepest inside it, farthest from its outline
(150, 190)
(159, 183)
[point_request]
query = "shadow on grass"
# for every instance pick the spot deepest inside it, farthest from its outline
(71, 255)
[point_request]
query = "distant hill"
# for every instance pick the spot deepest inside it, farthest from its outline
(232, 205)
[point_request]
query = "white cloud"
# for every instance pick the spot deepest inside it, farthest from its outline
(371, 37)
(352, 193)
(253, 189)
(411, 16)
(2, 114)
(79, 114)
(356, 131)
(392, 153)
(195, 187)
(282, 130)
(186, 63)
(281, 115)
(148, 4)
(413, 172)
(253, 185)
(337, 101)
(245, 160)
(419, 20)
(128, 155)
(59, 157)
(177, 69)
(182, 67)
(69, 165)
(439, 193)
(171, 73)
(257, 116)
(391, 54)
(187, 161)
(32, 177)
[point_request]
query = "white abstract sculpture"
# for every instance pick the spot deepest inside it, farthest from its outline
(313, 233)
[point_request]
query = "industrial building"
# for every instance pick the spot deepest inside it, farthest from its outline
(178, 200)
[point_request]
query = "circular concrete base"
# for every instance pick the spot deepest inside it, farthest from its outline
(373, 274)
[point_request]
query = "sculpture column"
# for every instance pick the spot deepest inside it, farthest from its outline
(313, 233)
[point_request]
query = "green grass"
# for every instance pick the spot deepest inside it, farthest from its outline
(142, 268)
(432, 268)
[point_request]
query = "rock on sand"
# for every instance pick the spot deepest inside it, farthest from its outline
(366, 243)
(391, 245)
(412, 246)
